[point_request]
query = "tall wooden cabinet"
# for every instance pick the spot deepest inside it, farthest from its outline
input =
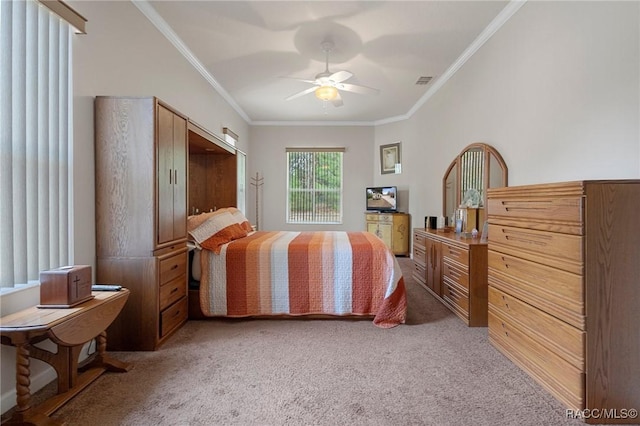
(563, 290)
(454, 270)
(141, 210)
(393, 228)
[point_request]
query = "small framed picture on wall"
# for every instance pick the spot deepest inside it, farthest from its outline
(390, 161)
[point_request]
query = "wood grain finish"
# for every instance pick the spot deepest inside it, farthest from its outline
(120, 154)
(141, 214)
(212, 181)
(455, 272)
(393, 228)
(70, 329)
(572, 301)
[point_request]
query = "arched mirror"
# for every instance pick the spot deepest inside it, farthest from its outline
(478, 167)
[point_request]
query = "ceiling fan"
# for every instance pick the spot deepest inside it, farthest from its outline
(327, 85)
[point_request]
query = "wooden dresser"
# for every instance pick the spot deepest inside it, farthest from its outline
(563, 290)
(454, 270)
(141, 216)
(392, 228)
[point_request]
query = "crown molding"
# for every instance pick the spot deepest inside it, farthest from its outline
(313, 123)
(505, 14)
(162, 26)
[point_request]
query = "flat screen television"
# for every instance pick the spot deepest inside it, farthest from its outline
(382, 199)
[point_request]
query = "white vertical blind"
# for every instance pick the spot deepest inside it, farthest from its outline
(314, 185)
(35, 120)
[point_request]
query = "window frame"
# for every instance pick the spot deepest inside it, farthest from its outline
(339, 191)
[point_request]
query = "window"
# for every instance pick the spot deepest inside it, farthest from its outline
(35, 141)
(314, 185)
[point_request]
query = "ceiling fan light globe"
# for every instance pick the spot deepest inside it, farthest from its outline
(326, 93)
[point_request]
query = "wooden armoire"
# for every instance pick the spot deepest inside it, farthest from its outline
(141, 211)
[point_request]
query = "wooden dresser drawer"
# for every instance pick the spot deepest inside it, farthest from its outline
(530, 207)
(419, 255)
(456, 273)
(418, 239)
(560, 337)
(173, 266)
(558, 292)
(559, 250)
(419, 272)
(458, 254)
(173, 316)
(456, 297)
(172, 291)
(562, 379)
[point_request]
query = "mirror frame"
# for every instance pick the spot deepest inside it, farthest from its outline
(455, 166)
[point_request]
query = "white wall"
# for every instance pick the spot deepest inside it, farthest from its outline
(556, 90)
(121, 54)
(268, 158)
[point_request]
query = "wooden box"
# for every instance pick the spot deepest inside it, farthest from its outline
(65, 287)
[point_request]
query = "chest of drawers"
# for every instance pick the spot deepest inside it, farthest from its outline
(563, 289)
(454, 270)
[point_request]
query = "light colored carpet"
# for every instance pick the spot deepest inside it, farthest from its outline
(432, 371)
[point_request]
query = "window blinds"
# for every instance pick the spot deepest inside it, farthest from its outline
(314, 185)
(35, 137)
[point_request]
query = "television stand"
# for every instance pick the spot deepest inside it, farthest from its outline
(394, 228)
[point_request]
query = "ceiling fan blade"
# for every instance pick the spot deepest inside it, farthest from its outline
(299, 79)
(363, 90)
(304, 92)
(340, 76)
(337, 101)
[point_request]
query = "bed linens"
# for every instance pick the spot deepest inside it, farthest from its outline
(304, 273)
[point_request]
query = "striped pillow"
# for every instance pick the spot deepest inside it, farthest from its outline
(217, 230)
(240, 218)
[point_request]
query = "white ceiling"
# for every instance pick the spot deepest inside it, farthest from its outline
(246, 47)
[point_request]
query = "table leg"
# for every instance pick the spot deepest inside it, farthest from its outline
(23, 394)
(104, 360)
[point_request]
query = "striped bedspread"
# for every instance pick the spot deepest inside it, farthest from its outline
(304, 273)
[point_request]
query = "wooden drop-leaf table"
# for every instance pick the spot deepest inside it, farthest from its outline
(70, 329)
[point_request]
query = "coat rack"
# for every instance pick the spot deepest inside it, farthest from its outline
(257, 182)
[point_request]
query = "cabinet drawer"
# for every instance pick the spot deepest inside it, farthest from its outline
(563, 380)
(555, 291)
(419, 273)
(557, 209)
(419, 255)
(538, 246)
(458, 254)
(173, 266)
(456, 273)
(562, 338)
(456, 297)
(387, 218)
(173, 316)
(172, 291)
(418, 239)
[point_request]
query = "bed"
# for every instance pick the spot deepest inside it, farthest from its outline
(246, 273)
